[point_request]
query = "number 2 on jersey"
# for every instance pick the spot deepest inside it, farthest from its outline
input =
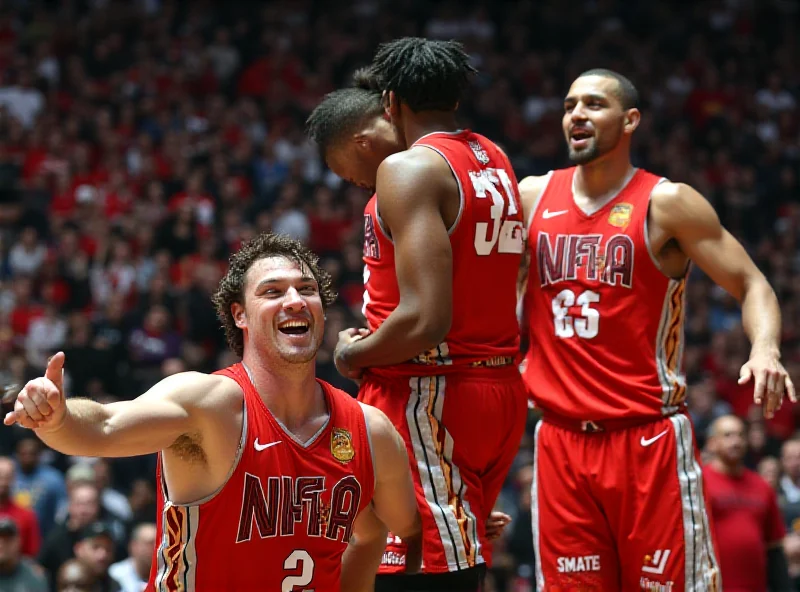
(506, 235)
(586, 325)
(302, 558)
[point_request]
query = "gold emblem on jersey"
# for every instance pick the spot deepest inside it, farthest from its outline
(620, 215)
(342, 445)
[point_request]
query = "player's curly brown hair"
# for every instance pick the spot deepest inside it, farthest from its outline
(231, 287)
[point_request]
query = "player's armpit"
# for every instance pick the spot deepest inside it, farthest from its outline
(411, 188)
(150, 423)
(394, 501)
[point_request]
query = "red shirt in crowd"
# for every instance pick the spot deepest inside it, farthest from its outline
(28, 526)
(747, 522)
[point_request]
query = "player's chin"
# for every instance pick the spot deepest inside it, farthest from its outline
(299, 354)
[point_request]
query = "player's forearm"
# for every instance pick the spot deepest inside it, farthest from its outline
(761, 316)
(360, 563)
(83, 431)
(403, 336)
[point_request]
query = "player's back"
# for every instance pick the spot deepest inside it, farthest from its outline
(283, 519)
(606, 325)
(487, 241)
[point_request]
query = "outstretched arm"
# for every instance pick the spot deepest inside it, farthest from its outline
(687, 217)
(81, 427)
(411, 188)
(393, 508)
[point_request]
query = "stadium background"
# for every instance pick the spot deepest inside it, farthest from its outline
(142, 141)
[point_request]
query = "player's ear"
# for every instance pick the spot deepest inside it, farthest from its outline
(239, 316)
(391, 105)
(632, 119)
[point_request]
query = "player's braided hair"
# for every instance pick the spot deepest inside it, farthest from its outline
(231, 287)
(426, 75)
(626, 92)
(343, 111)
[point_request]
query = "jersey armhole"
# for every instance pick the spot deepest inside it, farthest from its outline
(646, 230)
(453, 227)
(231, 471)
(369, 443)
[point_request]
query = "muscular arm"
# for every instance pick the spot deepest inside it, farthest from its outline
(147, 424)
(394, 507)
(411, 187)
(687, 217)
(683, 214)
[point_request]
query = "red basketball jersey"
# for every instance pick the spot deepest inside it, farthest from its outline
(284, 517)
(606, 325)
(487, 240)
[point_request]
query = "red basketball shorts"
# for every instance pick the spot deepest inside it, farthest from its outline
(462, 432)
(621, 510)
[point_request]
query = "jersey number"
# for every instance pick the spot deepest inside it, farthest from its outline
(506, 235)
(586, 325)
(292, 561)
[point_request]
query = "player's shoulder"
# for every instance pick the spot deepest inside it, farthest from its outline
(414, 174)
(677, 202)
(531, 189)
(206, 391)
(379, 425)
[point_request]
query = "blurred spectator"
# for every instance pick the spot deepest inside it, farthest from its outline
(790, 462)
(25, 520)
(132, 573)
(37, 486)
(748, 525)
(75, 576)
(46, 335)
(95, 549)
(27, 255)
(83, 510)
(17, 574)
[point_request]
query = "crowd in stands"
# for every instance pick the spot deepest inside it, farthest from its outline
(142, 141)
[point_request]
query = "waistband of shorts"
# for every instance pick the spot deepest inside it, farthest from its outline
(589, 426)
(450, 373)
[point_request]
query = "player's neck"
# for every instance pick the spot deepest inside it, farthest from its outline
(732, 470)
(416, 125)
(290, 391)
(598, 179)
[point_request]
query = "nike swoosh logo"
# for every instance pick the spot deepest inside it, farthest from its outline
(653, 439)
(548, 214)
(260, 447)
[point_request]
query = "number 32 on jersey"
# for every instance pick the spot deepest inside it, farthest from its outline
(506, 235)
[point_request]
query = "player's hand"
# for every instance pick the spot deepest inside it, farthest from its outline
(346, 338)
(496, 524)
(771, 381)
(41, 404)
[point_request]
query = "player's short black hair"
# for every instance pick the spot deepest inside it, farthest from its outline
(341, 112)
(426, 75)
(626, 91)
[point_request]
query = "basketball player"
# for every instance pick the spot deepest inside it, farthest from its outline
(443, 234)
(264, 471)
(618, 491)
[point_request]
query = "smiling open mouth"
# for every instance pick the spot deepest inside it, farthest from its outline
(293, 327)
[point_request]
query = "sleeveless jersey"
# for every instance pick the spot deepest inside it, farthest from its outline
(283, 518)
(605, 324)
(487, 242)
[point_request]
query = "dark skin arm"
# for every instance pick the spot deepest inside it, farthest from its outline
(412, 188)
(684, 215)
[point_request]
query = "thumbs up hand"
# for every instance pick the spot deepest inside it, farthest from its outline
(41, 404)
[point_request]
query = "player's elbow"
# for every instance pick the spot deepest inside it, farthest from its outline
(432, 328)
